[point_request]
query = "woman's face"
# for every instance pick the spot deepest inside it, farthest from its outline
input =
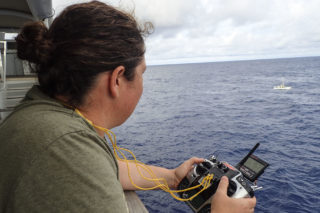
(133, 91)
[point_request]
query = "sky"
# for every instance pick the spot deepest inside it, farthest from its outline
(189, 31)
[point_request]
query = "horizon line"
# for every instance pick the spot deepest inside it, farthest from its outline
(177, 62)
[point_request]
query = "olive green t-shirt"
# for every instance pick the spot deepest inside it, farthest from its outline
(52, 160)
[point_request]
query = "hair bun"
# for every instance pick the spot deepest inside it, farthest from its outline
(33, 43)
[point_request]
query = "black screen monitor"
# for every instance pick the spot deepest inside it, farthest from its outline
(253, 167)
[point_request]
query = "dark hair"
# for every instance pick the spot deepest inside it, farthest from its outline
(83, 41)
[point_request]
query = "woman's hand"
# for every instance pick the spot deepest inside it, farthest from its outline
(180, 172)
(221, 203)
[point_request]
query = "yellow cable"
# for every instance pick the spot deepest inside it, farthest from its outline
(159, 182)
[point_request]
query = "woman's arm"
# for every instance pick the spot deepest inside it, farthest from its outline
(172, 176)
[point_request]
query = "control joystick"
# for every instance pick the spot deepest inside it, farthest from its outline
(232, 188)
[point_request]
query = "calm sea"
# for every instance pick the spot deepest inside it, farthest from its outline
(225, 108)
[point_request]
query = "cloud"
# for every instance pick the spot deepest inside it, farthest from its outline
(188, 30)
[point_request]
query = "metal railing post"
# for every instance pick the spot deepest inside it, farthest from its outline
(4, 64)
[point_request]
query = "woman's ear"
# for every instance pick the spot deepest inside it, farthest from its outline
(116, 80)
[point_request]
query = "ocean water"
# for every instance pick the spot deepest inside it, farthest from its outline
(225, 108)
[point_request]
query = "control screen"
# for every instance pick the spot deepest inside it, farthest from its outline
(254, 165)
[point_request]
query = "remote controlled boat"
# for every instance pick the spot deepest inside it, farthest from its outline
(282, 87)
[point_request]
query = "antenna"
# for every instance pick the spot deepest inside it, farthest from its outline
(247, 156)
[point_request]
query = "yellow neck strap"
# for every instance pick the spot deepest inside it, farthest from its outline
(159, 182)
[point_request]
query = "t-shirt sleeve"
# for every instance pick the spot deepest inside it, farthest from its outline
(75, 174)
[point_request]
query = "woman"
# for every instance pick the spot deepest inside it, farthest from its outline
(53, 154)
